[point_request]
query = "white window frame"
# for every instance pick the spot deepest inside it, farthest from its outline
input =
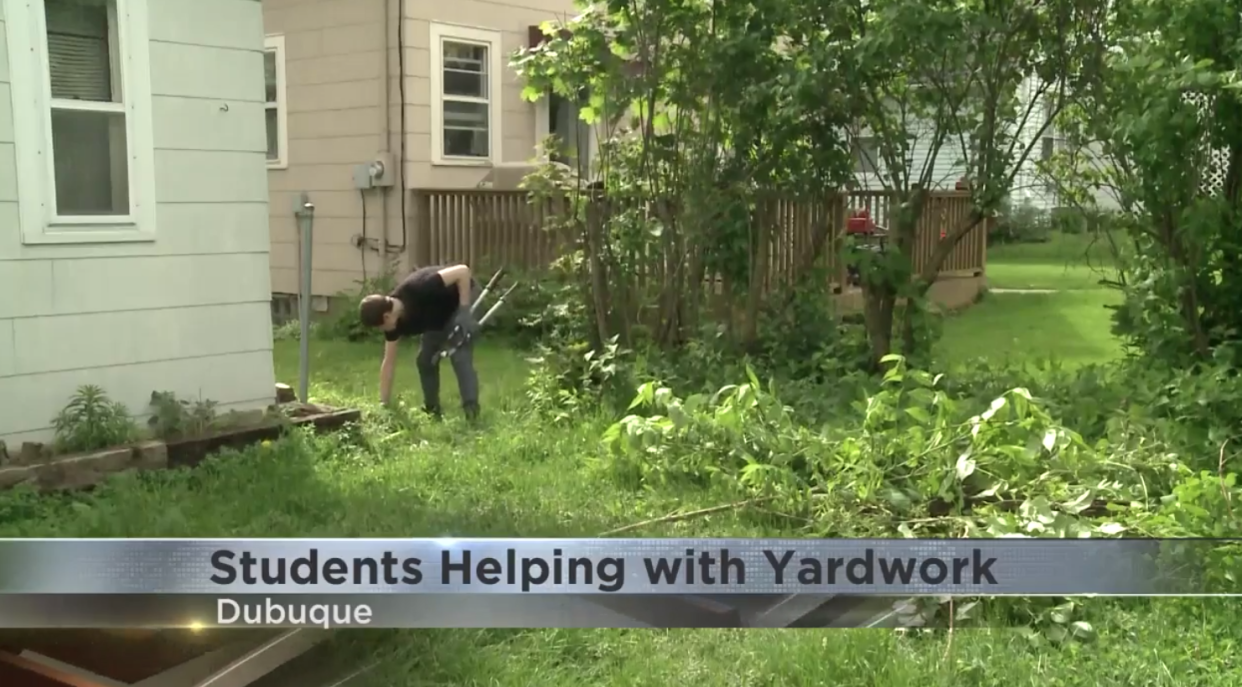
(275, 44)
(543, 129)
(32, 124)
(492, 41)
(866, 153)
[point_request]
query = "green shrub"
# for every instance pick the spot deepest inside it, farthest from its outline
(1024, 223)
(173, 418)
(1068, 220)
(291, 331)
(922, 457)
(534, 311)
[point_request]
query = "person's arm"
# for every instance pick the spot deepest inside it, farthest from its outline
(459, 276)
(387, 370)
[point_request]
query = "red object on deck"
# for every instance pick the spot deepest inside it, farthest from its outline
(859, 222)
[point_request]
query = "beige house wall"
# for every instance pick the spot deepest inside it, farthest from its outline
(337, 118)
(339, 55)
(512, 20)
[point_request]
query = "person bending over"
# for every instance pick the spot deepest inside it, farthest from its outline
(432, 302)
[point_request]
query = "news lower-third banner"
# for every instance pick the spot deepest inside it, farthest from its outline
(558, 582)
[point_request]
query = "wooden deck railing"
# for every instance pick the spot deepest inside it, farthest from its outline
(501, 227)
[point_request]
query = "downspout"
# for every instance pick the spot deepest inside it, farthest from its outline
(386, 135)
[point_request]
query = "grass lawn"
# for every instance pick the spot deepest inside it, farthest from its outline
(1072, 325)
(515, 475)
(1064, 262)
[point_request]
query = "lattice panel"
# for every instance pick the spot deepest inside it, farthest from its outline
(1213, 180)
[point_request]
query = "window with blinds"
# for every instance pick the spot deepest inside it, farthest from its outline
(79, 50)
(89, 141)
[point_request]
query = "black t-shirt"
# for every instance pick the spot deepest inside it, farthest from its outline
(428, 303)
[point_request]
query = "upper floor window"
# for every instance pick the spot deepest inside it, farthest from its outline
(465, 83)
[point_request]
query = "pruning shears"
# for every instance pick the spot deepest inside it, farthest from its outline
(457, 338)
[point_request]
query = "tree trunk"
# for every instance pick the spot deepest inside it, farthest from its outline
(878, 304)
(696, 283)
(1190, 312)
(598, 275)
(911, 218)
(1189, 296)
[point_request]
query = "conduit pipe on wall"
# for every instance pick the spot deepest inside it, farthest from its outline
(401, 152)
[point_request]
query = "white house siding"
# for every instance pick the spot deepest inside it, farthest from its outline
(949, 166)
(1029, 184)
(187, 312)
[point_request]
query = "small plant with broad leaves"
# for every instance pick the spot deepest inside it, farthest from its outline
(291, 331)
(174, 418)
(572, 379)
(92, 421)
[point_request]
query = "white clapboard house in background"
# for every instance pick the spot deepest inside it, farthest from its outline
(1029, 186)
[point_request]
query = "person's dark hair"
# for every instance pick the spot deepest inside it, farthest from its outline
(372, 310)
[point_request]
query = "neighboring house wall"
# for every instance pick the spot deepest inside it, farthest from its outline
(947, 167)
(435, 31)
(337, 116)
(330, 60)
(1029, 186)
(173, 297)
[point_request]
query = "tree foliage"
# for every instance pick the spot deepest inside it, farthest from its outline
(701, 114)
(1162, 132)
(704, 110)
(959, 89)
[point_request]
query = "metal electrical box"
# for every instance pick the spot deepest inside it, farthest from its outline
(363, 178)
(380, 172)
(386, 165)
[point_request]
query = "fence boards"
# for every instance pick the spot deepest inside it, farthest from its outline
(488, 228)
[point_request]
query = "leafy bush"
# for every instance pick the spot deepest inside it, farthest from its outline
(292, 331)
(91, 422)
(536, 310)
(1024, 223)
(922, 457)
(1067, 220)
(573, 379)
